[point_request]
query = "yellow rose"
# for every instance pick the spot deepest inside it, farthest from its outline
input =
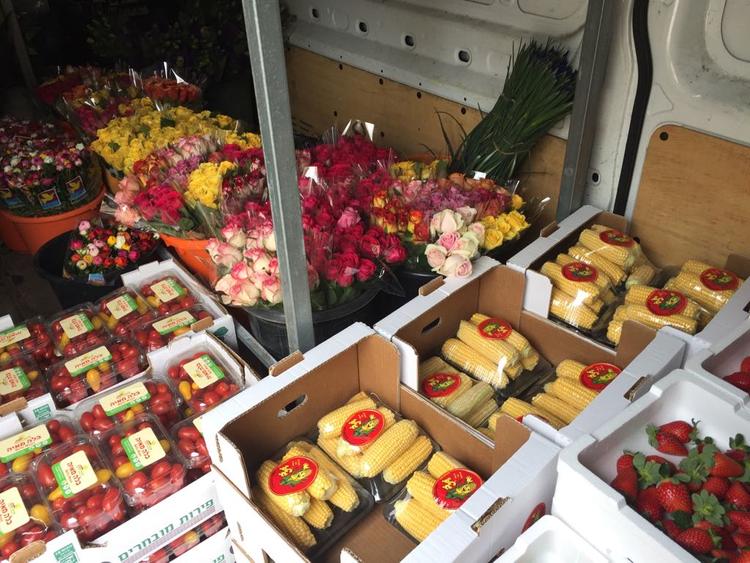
(492, 239)
(516, 201)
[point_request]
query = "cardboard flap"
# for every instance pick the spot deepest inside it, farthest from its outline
(285, 363)
(431, 286)
(510, 435)
(13, 406)
(635, 337)
(738, 264)
(29, 552)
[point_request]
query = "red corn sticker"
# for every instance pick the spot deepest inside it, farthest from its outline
(598, 376)
(292, 475)
(454, 487)
(719, 280)
(495, 328)
(440, 384)
(363, 427)
(664, 302)
(539, 511)
(616, 238)
(579, 272)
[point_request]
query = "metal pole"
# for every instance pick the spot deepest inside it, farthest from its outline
(264, 40)
(597, 35)
(24, 62)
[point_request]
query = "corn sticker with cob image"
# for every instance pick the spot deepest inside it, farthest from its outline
(719, 280)
(494, 328)
(597, 376)
(454, 487)
(580, 272)
(292, 475)
(616, 238)
(664, 302)
(440, 384)
(363, 427)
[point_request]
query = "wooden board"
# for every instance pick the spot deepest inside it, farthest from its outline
(325, 92)
(694, 198)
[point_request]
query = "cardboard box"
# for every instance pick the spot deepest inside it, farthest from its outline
(560, 237)
(421, 326)
(585, 501)
(251, 427)
(214, 549)
(223, 325)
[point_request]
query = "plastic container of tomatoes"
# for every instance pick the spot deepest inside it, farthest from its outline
(144, 460)
(124, 310)
(188, 540)
(82, 491)
(188, 437)
(21, 377)
(202, 381)
(155, 334)
(30, 337)
(73, 379)
(19, 450)
(77, 329)
(167, 295)
(26, 517)
(125, 402)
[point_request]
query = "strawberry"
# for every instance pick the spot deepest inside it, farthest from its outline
(625, 461)
(740, 379)
(725, 466)
(626, 483)
(671, 528)
(723, 554)
(707, 508)
(736, 455)
(661, 461)
(648, 504)
(695, 540)
(740, 519)
(665, 442)
(745, 364)
(741, 539)
(738, 496)
(680, 429)
(674, 496)
(717, 486)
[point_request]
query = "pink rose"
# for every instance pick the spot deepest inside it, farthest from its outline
(467, 246)
(478, 230)
(436, 255)
(223, 254)
(456, 265)
(348, 218)
(448, 240)
(467, 213)
(84, 226)
(244, 293)
(234, 236)
(271, 290)
(394, 254)
(313, 278)
(240, 271)
(366, 270)
(97, 261)
(446, 221)
(126, 215)
(76, 244)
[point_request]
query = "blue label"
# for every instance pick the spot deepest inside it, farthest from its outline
(49, 199)
(76, 188)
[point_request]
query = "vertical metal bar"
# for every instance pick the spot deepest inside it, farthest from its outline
(597, 36)
(264, 40)
(24, 62)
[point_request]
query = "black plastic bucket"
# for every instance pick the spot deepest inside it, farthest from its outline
(269, 326)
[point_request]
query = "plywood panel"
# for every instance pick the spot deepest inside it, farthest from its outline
(694, 197)
(325, 92)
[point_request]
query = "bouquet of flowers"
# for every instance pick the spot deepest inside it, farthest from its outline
(170, 91)
(96, 252)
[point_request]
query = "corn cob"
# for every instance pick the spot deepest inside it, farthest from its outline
(344, 448)
(559, 408)
(418, 521)
(433, 365)
(420, 487)
(570, 368)
(513, 371)
(620, 255)
(599, 228)
(319, 515)
(292, 526)
(361, 396)
(642, 315)
(639, 294)
(351, 463)
(440, 463)
(324, 484)
(345, 497)
(571, 391)
(515, 338)
(330, 424)
(477, 416)
(643, 274)
(615, 274)
(530, 362)
(565, 307)
(692, 286)
(695, 267)
(704, 317)
(467, 402)
(391, 445)
(614, 331)
(516, 408)
(408, 463)
(474, 364)
(584, 292)
(294, 504)
(466, 381)
(601, 281)
(608, 296)
(498, 351)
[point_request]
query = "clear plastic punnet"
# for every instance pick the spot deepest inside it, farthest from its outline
(26, 517)
(157, 333)
(77, 329)
(145, 461)
(123, 310)
(30, 337)
(21, 377)
(188, 540)
(19, 450)
(82, 491)
(124, 403)
(73, 379)
(188, 436)
(167, 295)
(202, 381)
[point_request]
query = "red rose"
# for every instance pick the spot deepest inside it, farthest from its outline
(349, 260)
(345, 280)
(333, 268)
(370, 246)
(394, 254)
(324, 218)
(366, 270)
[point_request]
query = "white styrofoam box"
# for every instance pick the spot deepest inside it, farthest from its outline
(550, 541)
(6, 322)
(214, 549)
(479, 267)
(10, 424)
(585, 501)
(223, 325)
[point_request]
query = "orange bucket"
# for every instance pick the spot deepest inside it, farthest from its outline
(35, 231)
(192, 253)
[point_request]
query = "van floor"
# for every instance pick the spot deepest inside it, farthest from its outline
(23, 293)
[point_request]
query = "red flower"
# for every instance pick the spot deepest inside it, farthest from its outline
(333, 269)
(370, 246)
(367, 269)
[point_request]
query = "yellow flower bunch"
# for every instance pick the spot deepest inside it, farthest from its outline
(503, 227)
(408, 170)
(204, 183)
(244, 140)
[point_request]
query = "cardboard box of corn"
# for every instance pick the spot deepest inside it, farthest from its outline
(590, 274)
(332, 458)
(475, 352)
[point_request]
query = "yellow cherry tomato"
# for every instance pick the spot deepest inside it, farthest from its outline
(103, 475)
(94, 379)
(39, 512)
(185, 390)
(32, 375)
(54, 495)
(21, 464)
(125, 470)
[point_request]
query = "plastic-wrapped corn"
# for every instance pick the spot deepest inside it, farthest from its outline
(517, 409)
(420, 486)
(712, 287)
(498, 351)
(319, 515)
(345, 497)
(293, 526)
(351, 463)
(575, 283)
(477, 416)
(345, 448)
(440, 463)
(441, 383)
(529, 356)
(615, 274)
(601, 281)
(644, 316)
(330, 425)
(569, 368)
(418, 521)
(388, 447)
(573, 312)
(409, 462)
(471, 399)
(571, 391)
(614, 331)
(663, 301)
(465, 358)
(294, 504)
(615, 246)
(642, 274)
(324, 484)
(559, 408)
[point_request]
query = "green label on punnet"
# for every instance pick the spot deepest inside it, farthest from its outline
(143, 448)
(76, 325)
(203, 371)
(74, 474)
(13, 335)
(12, 380)
(24, 442)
